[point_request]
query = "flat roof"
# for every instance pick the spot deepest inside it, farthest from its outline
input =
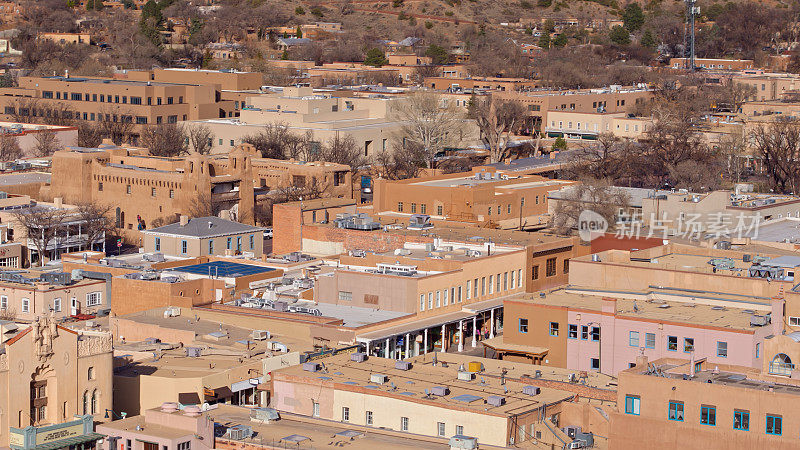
(355, 316)
(204, 227)
(783, 230)
(224, 269)
(411, 385)
(11, 179)
(692, 312)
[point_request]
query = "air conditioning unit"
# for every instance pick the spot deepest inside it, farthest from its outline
(378, 378)
(463, 442)
(358, 357)
(440, 391)
(311, 366)
(239, 432)
(531, 390)
(466, 376)
(261, 335)
(496, 400)
(402, 365)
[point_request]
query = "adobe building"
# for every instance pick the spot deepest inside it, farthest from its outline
(685, 403)
(49, 375)
(205, 236)
(166, 427)
(484, 197)
(26, 134)
(713, 64)
(302, 110)
(584, 330)
(144, 188)
(26, 296)
(443, 395)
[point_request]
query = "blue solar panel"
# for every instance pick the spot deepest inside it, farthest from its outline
(467, 398)
(223, 269)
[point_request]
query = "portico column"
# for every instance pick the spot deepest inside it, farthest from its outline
(386, 353)
(474, 330)
(367, 348)
(444, 336)
(408, 336)
(491, 324)
(426, 341)
(460, 335)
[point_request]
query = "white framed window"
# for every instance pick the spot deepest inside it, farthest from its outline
(793, 321)
(57, 304)
(404, 424)
(460, 430)
(422, 302)
(445, 299)
(469, 290)
(94, 299)
(519, 278)
(491, 284)
(3, 302)
(345, 414)
(26, 305)
(438, 298)
(430, 300)
(368, 418)
(345, 296)
(315, 412)
(440, 429)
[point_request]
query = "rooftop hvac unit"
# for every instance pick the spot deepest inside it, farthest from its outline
(154, 257)
(463, 442)
(420, 222)
(402, 252)
(172, 311)
(746, 258)
(440, 391)
(357, 253)
(239, 432)
(537, 374)
(402, 365)
(358, 357)
(429, 247)
(466, 376)
(260, 335)
(264, 415)
(378, 378)
(758, 320)
(310, 366)
(149, 275)
(531, 390)
(496, 400)
(277, 347)
(194, 352)
(57, 278)
(475, 366)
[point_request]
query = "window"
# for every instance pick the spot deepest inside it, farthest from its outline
(650, 340)
(551, 267)
(315, 409)
(136, 100)
(523, 325)
(460, 430)
(171, 193)
(210, 246)
(128, 443)
(423, 208)
(152, 192)
(413, 208)
(774, 425)
(185, 445)
(229, 243)
(584, 332)
(238, 243)
(595, 364)
(422, 302)
(184, 247)
(430, 300)
(505, 281)
(3, 302)
(439, 210)
(483, 285)
(345, 296)
(633, 339)
(572, 333)
(491, 283)
(438, 298)
(399, 206)
(554, 329)
(519, 278)
(368, 418)
(708, 415)
(741, 420)
(758, 350)
(100, 187)
(252, 242)
(404, 424)
(632, 403)
(722, 349)
(566, 266)
(672, 343)
(26, 305)
(675, 411)
(128, 189)
(535, 272)
(440, 429)
(688, 345)
(512, 279)
(345, 414)
(794, 321)
(94, 298)
(595, 334)
(57, 304)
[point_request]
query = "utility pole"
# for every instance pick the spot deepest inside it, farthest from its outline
(691, 11)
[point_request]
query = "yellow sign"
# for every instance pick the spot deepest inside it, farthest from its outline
(17, 439)
(45, 437)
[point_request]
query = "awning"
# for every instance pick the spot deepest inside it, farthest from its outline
(218, 393)
(188, 398)
(245, 384)
(415, 326)
(498, 345)
(75, 440)
(486, 305)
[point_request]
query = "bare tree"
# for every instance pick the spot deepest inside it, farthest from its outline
(166, 139)
(47, 143)
(428, 121)
(398, 163)
(96, 221)
(595, 195)
(272, 140)
(342, 150)
(41, 227)
(201, 138)
(116, 125)
(778, 146)
(201, 205)
(89, 135)
(9, 148)
(497, 121)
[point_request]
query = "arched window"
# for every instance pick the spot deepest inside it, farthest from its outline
(781, 364)
(94, 401)
(86, 402)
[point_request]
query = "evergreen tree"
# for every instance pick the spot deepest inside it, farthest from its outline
(375, 58)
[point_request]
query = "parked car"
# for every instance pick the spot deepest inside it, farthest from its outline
(268, 233)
